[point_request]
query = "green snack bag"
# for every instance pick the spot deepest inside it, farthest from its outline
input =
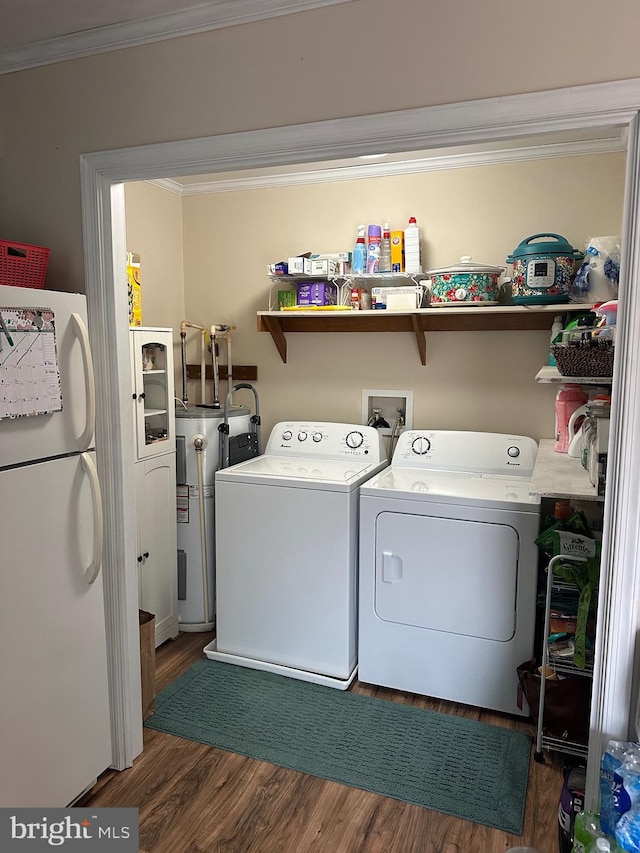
(577, 523)
(586, 831)
(546, 539)
(584, 576)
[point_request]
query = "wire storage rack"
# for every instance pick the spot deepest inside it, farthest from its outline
(571, 677)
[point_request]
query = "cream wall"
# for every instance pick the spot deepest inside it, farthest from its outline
(154, 230)
(483, 381)
(366, 56)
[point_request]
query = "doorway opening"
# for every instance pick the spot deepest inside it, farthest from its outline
(476, 122)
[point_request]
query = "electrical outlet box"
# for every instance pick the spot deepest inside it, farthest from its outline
(387, 405)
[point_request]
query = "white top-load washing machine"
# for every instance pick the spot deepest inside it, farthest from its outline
(287, 549)
(448, 567)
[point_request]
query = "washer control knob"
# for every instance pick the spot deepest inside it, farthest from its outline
(302, 436)
(317, 436)
(421, 445)
(286, 435)
(354, 439)
(513, 452)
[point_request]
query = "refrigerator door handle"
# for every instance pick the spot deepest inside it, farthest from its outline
(80, 331)
(88, 466)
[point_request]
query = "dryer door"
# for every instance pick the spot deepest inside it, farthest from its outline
(451, 575)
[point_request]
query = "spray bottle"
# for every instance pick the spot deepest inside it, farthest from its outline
(385, 249)
(374, 238)
(359, 253)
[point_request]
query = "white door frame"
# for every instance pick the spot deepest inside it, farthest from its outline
(593, 106)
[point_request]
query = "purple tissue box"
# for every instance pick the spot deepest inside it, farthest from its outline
(316, 293)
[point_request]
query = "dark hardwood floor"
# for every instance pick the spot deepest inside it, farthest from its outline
(197, 799)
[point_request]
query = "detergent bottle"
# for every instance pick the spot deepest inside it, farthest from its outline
(412, 262)
(569, 398)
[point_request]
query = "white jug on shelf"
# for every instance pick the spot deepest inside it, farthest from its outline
(575, 431)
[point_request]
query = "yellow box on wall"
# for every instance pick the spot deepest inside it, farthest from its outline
(133, 287)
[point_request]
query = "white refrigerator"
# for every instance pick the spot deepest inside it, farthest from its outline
(55, 736)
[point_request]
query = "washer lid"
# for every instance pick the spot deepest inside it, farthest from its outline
(453, 487)
(300, 472)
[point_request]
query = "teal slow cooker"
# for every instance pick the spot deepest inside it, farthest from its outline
(543, 268)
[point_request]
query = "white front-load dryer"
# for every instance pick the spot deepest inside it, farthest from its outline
(448, 568)
(287, 552)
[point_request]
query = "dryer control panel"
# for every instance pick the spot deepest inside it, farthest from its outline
(326, 440)
(480, 453)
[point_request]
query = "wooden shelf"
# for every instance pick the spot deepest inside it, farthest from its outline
(418, 321)
(556, 475)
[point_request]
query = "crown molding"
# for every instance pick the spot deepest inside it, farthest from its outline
(406, 167)
(212, 15)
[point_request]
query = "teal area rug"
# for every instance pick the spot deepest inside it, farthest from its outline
(460, 767)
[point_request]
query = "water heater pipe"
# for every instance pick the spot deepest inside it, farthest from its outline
(219, 331)
(183, 359)
(184, 325)
(199, 443)
(229, 367)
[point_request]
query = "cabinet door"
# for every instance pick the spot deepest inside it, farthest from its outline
(157, 555)
(153, 391)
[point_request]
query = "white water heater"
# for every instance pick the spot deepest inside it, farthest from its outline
(197, 427)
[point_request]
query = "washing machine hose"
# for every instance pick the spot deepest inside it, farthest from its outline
(199, 443)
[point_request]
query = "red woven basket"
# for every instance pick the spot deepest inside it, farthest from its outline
(22, 265)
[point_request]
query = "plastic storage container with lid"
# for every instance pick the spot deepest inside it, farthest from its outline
(543, 268)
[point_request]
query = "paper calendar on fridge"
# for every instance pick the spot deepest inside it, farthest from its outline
(29, 373)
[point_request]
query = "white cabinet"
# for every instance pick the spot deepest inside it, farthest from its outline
(155, 476)
(157, 548)
(153, 391)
